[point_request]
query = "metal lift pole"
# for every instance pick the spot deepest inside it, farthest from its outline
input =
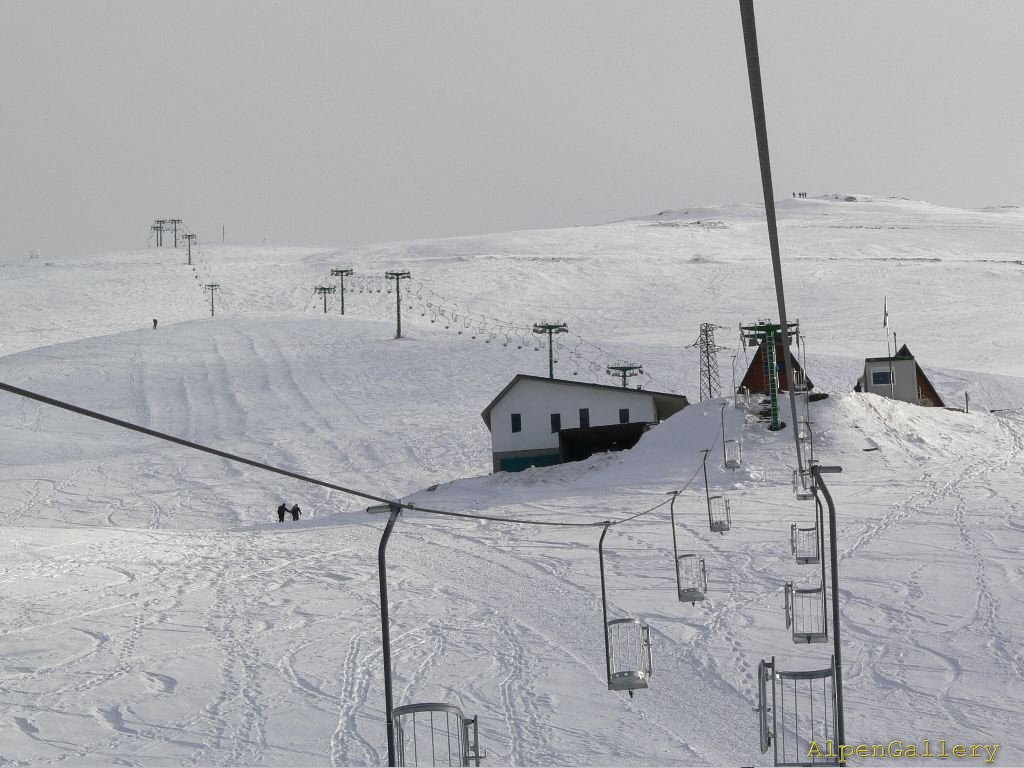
(725, 458)
(816, 471)
(604, 605)
(385, 632)
(707, 489)
(675, 548)
(761, 131)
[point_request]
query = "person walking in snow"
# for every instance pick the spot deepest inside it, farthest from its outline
(280, 512)
(296, 512)
(154, 323)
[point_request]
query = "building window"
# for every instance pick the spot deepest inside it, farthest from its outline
(517, 422)
(556, 422)
(623, 415)
(878, 378)
(584, 418)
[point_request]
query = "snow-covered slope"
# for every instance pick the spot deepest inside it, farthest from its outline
(153, 614)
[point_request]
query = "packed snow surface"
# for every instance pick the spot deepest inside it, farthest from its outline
(155, 613)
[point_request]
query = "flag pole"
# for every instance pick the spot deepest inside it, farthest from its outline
(885, 326)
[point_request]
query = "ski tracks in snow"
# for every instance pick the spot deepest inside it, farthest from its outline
(562, 623)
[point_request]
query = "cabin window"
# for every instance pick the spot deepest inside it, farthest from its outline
(878, 378)
(517, 422)
(623, 415)
(584, 418)
(556, 422)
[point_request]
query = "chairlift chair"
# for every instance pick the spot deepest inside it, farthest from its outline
(692, 578)
(805, 614)
(804, 544)
(627, 642)
(803, 484)
(629, 655)
(795, 710)
(435, 734)
(803, 429)
(765, 673)
(733, 453)
(719, 514)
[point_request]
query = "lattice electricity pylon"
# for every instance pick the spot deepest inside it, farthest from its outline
(710, 384)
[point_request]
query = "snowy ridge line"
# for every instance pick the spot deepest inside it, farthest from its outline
(305, 478)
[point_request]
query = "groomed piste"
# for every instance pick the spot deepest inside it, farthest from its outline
(155, 613)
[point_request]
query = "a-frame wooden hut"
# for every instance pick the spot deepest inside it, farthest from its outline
(756, 378)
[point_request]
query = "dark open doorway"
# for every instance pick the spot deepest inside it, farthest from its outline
(582, 443)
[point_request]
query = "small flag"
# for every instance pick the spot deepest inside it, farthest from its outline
(885, 313)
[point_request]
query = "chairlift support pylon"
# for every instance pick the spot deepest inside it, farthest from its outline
(627, 643)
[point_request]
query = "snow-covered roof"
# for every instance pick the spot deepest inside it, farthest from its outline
(665, 403)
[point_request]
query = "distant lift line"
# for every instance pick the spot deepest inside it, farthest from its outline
(324, 290)
(398, 277)
(550, 329)
(211, 287)
(341, 273)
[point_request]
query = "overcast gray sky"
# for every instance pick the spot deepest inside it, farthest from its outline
(339, 123)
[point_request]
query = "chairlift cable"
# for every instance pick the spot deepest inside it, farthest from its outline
(761, 132)
(295, 475)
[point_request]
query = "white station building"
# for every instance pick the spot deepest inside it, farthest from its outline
(536, 421)
(900, 378)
